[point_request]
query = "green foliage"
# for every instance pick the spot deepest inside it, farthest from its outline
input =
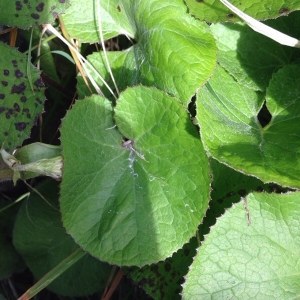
(176, 179)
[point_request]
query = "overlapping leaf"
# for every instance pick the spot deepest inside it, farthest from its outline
(252, 252)
(132, 202)
(227, 114)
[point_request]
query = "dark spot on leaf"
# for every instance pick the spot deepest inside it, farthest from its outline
(18, 89)
(23, 99)
(230, 16)
(21, 126)
(242, 192)
(17, 15)
(53, 7)
(118, 8)
(168, 267)
(25, 110)
(186, 252)
(39, 83)
(15, 63)
(62, 1)
(284, 11)
(7, 115)
(40, 7)
(25, 1)
(259, 189)
(17, 107)
(2, 96)
(19, 5)
(35, 16)
(39, 100)
(6, 133)
(28, 116)
(229, 194)
(54, 14)
(4, 83)
(18, 73)
(2, 109)
(6, 72)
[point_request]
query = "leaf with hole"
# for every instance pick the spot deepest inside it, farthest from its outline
(231, 132)
(136, 194)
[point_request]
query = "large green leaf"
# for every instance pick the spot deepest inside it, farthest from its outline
(43, 243)
(133, 202)
(19, 105)
(227, 114)
(251, 253)
(250, 57)
(174, 52)
(216, 11)
(26, 13)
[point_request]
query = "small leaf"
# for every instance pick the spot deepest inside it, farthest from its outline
(252, 252)
(133, 202)
(231, 132)
(25, 14)
(43, 243)
(18, 105)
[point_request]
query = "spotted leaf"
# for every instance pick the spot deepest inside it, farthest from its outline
(19, 105)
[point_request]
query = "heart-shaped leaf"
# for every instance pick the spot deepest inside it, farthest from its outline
(132, 201)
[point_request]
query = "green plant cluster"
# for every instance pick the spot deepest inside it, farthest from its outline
(183, 170)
